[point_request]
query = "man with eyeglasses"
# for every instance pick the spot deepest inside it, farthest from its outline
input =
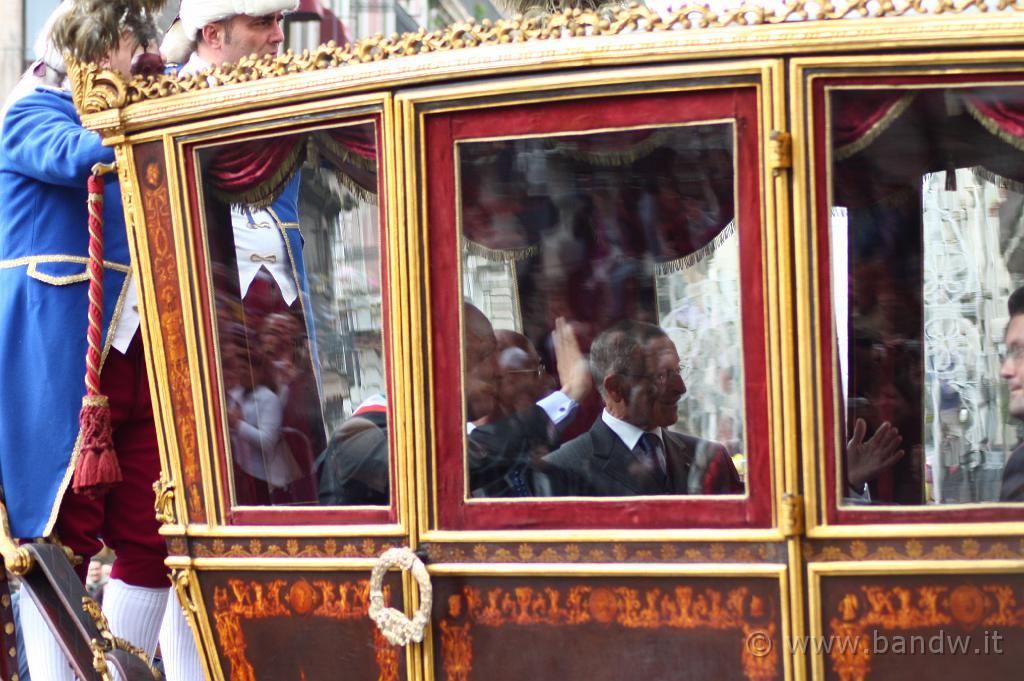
(524, 381)
(1012, 371)
(503, 445)
(629, 450)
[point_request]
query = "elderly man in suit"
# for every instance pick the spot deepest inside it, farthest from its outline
(629, 450)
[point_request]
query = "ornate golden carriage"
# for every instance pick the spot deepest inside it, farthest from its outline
(818, 203)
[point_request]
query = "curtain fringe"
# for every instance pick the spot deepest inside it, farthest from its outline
(984, 174)
(868, 138)
(663, 269)
(352, 158)
(993, 127)
(264, 194)
(500, 254)
(613, 159)
(360, 192)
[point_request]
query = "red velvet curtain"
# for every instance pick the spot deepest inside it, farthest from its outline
(859, 117)
(1000, 111)
(358, 140)
(255, 172)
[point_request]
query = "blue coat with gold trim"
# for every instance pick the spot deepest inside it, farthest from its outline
(46, 157)
(285, 210)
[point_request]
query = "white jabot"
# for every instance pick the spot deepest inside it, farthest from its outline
(258, 238)
(259, 243)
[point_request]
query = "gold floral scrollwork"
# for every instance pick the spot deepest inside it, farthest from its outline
(182, 588)
(108, 642)
(458, 647)
(871, 608)
(681, 608)
(164, 502)
(101, 646)
(95, 90)
(111, 92)
(760, 658)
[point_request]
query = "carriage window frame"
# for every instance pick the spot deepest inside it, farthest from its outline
(821, 473)
(442, 486)
(188, 149)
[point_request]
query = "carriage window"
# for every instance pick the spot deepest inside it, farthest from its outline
(926, 247)
(294, 233)
(600, 276)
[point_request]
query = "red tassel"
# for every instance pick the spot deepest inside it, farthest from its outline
(97, 470)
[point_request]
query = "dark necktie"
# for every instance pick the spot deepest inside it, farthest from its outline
(647, 452)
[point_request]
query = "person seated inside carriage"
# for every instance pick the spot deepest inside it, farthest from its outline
(630, 450)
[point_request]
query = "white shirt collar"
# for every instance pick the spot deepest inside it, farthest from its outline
(627, 432)
(194, 65)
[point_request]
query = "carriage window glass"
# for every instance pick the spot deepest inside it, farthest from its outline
(294, 235)
(927, 251)
(601, 314)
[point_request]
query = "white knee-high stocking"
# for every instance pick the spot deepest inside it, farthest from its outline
(46, 660)
(134, 613)
(178, 646)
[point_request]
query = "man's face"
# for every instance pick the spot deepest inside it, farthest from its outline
(653, 395)
(522, 381)
(1012, 369)
(482, 371)
(243, 35)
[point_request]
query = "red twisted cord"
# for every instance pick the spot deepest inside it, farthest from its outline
(97, 469)
(95, 335)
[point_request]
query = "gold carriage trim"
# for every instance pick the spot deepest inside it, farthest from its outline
(96, 91)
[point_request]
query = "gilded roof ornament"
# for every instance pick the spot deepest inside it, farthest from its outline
(608, 20)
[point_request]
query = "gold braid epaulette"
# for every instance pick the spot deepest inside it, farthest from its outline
(569, 23)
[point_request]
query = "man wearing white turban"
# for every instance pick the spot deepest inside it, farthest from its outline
(215, 32)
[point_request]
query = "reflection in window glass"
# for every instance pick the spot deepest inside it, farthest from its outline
(602, 344)
(296, 259)
(927, 227)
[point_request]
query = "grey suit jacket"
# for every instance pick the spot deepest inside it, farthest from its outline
(598, 463)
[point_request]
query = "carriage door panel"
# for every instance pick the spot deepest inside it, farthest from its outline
(267, 293)
(559, 218)
(908, 250)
